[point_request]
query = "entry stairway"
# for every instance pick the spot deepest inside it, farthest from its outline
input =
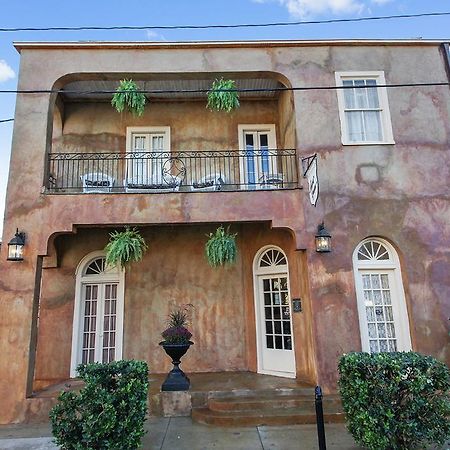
(266, 407)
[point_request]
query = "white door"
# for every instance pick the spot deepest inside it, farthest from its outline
(258, 161)
(98, 312)
(148, 148)
(273, 313)
(99, 324)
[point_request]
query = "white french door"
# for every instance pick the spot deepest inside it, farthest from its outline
(97, 332)
(257, 163)
(148, 147)
(99, 323)
(275, 326)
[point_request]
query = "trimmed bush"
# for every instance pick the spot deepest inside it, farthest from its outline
(108, 413)
(395, 401)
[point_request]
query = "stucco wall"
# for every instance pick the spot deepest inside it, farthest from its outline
(98, 127)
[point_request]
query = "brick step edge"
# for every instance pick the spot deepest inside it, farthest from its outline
(251, 404)
(258, 393)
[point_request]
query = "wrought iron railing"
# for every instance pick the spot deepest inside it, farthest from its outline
(151, 172)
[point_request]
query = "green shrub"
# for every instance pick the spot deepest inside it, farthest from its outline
(108, 413)
(395, 401)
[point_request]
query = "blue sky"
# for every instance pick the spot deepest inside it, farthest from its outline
(46, 13)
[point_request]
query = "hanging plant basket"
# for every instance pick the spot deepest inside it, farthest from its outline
(222, 96)
(129, 98)
(221, 248)
(125, 247)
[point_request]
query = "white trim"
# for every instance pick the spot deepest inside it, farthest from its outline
(386, 123)
(271, 141)
(117, 276)
(258, 272)
(400, 311)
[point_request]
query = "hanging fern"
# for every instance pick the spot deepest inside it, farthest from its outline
(221, 248)
(222, 96)
(125, 247)
(129, 98)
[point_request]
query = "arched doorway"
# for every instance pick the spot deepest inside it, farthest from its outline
(383, 316)
(274, 336)
(98, 312)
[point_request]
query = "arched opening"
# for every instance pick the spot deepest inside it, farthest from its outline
(383, 315)
(274, 334)
(98, 312)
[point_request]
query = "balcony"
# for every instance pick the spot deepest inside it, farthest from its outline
(175, 171)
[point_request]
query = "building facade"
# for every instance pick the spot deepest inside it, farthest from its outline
(80, 170)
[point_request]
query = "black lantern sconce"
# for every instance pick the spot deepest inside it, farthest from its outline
(323, 239)
(15, 247)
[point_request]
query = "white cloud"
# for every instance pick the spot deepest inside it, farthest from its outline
(308, 8)
(305, 8)
(6, 72)
(154, 36)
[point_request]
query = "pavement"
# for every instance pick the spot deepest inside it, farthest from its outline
(182, 434)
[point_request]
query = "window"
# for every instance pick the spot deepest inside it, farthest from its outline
(363, 108)
(383, 316)
(259, 163)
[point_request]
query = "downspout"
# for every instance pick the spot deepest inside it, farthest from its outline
(445, 46)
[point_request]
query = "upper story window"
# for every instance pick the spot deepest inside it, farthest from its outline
(363, 108)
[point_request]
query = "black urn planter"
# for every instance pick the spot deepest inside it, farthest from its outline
(176, 379)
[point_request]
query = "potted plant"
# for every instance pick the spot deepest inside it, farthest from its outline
(176, 343)
(220, 249)
(129, 98)
(223, 96)
(125, 247)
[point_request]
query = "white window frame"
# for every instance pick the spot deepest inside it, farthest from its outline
(271, 141)
(113, 276)
(400, 310)
(386, 124)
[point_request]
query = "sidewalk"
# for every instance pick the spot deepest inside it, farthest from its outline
(182, 434)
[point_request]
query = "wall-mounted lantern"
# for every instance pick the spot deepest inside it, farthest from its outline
(323, 239)
(15, 247)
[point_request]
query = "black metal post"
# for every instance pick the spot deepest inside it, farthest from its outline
(319, 419)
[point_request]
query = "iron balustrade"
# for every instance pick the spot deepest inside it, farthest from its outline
(177, 171)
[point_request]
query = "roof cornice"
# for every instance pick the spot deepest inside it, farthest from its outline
(114, 45)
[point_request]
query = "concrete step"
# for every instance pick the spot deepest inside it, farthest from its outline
(272, 417)
(274, 408)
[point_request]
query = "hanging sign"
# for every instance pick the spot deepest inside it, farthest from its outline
(309, 165)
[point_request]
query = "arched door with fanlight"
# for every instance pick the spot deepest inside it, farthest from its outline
(98, 312)
(275, 342)
(383, 314)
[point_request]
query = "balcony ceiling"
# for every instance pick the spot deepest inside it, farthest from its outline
(86, 90)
